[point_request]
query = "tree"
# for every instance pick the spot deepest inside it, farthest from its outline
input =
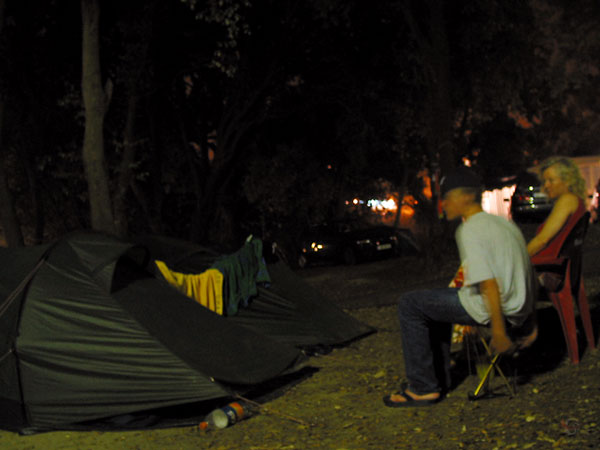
(251, 77)
(131, 42)
(427, 23)
(565, 102)
(196, 101)
(95, 100)
(10, 223)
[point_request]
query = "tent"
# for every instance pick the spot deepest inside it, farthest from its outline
(88, 332)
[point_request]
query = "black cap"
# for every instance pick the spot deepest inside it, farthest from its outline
(459, 178)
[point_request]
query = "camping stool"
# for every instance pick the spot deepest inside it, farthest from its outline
(483, 389)
(522, 336)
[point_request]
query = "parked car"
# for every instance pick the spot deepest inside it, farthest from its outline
(529, 203)
(349, 242)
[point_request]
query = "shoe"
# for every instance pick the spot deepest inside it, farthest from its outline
(409, 401)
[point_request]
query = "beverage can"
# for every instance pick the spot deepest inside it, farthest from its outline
(226, 416)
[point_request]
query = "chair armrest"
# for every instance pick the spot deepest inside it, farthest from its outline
(547, 261)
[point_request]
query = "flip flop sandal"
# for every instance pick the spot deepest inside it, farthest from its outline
(409, 401)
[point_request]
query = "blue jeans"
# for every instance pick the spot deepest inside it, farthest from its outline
(426, 319)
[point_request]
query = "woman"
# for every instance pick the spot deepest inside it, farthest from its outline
(564, 185)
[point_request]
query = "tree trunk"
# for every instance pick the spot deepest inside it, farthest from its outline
(8, 216)
(438, 118)
(95, 108)
(218, 185)
(125, 172)
(137, 41)
(151, 201)
(243, 110)
(10, 223)
(441, 119)
(37, 203)
(403, 189)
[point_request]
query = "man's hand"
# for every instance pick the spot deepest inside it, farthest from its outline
(490, 292)
(501, 343)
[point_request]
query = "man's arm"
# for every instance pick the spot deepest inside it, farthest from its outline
(491, 295)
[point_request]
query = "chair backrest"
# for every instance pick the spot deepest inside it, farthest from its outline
(567, 246)
(573, 249)
(556, 247)
(573, 241)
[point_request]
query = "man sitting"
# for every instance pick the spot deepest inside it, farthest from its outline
(499, 286)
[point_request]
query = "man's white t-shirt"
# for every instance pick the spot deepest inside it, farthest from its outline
(491, 247)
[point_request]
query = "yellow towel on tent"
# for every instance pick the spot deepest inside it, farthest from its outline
(206, 287)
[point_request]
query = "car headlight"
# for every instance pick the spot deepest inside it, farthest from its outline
(363, 241)
(316, 246)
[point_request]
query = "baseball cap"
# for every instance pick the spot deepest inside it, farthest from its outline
(459, 178)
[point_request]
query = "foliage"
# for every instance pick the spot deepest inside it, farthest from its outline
(274, 185)
(230, 15)
(567, 82)
(231, 106)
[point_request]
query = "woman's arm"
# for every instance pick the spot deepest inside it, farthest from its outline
(566, 205)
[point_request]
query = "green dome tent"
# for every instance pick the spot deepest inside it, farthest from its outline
(88, 332)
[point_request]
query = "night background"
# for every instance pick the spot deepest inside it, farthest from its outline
(210, 120)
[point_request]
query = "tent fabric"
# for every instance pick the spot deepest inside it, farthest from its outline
(95, 334)
(206, 341)
(289, 310)
(293, 312)
(17, 264)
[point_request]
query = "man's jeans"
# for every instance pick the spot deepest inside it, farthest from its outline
(426, 319)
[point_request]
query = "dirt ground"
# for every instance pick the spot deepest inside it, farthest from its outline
(337, 405)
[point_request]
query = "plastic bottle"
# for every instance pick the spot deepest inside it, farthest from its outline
(225, 416)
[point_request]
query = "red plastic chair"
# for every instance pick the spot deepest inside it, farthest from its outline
(563, 257)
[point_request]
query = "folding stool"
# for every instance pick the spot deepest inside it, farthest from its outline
(522, 338)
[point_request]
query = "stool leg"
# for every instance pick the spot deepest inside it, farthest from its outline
(483, 382)
(485, 376)
(497, 367)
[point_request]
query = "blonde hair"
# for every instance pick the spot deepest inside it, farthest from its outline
(568, 172)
